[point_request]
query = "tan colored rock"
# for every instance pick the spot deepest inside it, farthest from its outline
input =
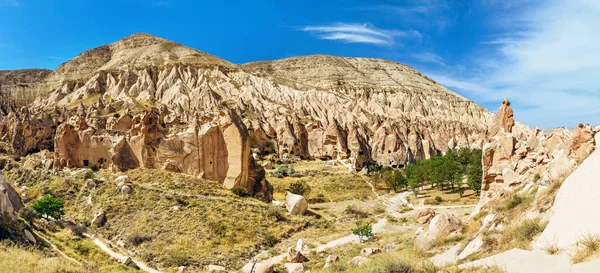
(504, 119)
(440, 227)
(331, 259)
(10, 201)
(368, 251)
(358, 261)
(294, 256)
(424, 216)
(296, 204)
(257, 268)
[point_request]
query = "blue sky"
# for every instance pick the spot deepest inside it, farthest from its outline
(542, 55)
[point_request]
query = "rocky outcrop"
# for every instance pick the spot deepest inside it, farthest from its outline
(296, 204)
(10, 201)
(442, 225)
(524, 158)
(306, 107)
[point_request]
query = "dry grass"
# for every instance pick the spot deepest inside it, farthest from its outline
(18, 260)
(331, 184)
(588, 248)
(448, 198)
(551, 249)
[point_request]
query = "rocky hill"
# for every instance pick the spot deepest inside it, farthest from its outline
(148, 102)
(20, 87)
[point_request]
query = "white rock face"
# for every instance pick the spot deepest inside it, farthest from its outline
(122, 179)
(574, 212)
(296, 204)
(257, 268)
(294, 267)
(472, 248)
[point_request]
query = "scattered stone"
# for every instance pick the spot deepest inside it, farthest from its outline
(125, 190)
(294, 267)
(90, 184)
(278, 203)
(368, 251)
(122, 179)
(358, 261)
(99, 219)
(295, 256)
(330, 260)
(257, 268)
(424, 216)
(440, 227)
(296, 204)
(216, 268)
(29, 236)
(127, 261)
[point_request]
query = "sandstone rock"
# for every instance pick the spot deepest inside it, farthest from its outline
(473, 247)
(296, 204)
(10, 202)
(127, 261)
(99, 219)
(331, 259)
(368, 251)
(257, 268)
(122, 179)
(504, 119)
(216, 268)
(294, 267)
(294, 256)
(358, 261)
(424, 216)
(90, 184)
(29, 236)
(300, 245)
(125, 190)
(440, 226)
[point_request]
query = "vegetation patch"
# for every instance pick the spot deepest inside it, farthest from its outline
(588, 248)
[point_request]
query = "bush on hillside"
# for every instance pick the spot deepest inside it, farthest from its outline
(49, 207)
(300, 188)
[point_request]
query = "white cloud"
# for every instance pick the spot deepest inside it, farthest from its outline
(547, 65)
(359, 33)
(429, 57)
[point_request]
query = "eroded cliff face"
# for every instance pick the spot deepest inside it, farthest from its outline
(517, 158)
(20, 87)
(152, 103)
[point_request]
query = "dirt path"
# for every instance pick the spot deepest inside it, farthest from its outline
(55, 248)
(118, 256)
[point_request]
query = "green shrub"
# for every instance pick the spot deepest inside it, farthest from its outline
(300, 188)
(270, 240)
(363, 231)
(28, 214)
(239, 191)
(49, 207)
(284, 171)
(439, 199)
(351, 210)
(94, 168)
(275, 213)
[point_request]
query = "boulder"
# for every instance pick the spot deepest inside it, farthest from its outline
(10, 201)
(294, 267)
(122, 179)
(127, 261)
(257, 268)
(296, 204)
(358, 261)
(440, 227)
(473, 247)
(368, 251)
(424, 216)
(125, 190)
(90, 184)
(216, 268)
(331, 259)
(295, 256)
(504, 119)
(99, 219)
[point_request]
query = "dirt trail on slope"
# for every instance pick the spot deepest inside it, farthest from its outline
(118, 256)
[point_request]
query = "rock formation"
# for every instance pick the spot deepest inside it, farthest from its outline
(524, 158)
(145, 102)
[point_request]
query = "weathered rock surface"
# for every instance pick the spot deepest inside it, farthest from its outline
(424, 216)
(294, 267)
(440, 227)
(314, 106)
(358, 260)
(10, 201)
(294, 256)
(257, 268)
(524, 158)
(296, 204)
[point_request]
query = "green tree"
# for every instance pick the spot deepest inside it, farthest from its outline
(363, 230)
(475, 171)
(49, 207)
(394, 178)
